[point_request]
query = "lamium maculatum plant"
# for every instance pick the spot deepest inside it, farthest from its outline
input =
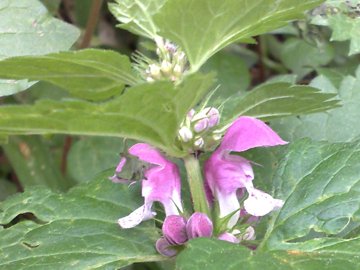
(217, 134)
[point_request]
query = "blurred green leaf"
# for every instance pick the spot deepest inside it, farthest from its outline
(337, 125)
(202, 28)
(307, 56)
(273, 100)
(6, 189)
(90, 74)
(26, 28)
(77, 230)
(91, 155)
(34, 163)
(149, 112)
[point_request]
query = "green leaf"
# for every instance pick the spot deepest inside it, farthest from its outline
(90, 74)
(90, 156)
(77, 230)
(214, 254)
(273, 100)
(338, 125)
(6, 189)
(26, 28)
(202, 28)
(34, 163)
(232, 75)
(148, 112)
(307, 56)
(346, 28)
(320, 184)
(137, 15)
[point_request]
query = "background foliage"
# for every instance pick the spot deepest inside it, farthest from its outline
(79, 103)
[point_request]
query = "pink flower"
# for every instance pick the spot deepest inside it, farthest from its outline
(225, 173)
(161, 183)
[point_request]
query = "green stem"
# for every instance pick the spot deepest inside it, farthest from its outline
(196, 184)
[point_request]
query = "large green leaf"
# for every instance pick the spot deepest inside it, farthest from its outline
(77, 230)
(338, 125)
(321, 185)
(273, 100)
(214, 254)
(90, 74)
(148, 112)
(203, 27)
(136, 15)
(26, 28)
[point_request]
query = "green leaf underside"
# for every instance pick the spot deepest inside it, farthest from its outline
(90, 74)
(211, 254)
(326, 126)
(321, 185)
(203, 27)
(136, 15)
(33, 32)
(273, 100)
(148, 112)
(77, 230)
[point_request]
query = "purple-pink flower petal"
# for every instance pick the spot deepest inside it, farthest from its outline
(225, 174)
(260, 203)
(161, 183)
(165, 248)
(248, 132)
(174, 230)
(229, 237)
(199, 225)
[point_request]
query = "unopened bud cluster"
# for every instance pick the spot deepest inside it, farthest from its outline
(172, 62)
(197, 131)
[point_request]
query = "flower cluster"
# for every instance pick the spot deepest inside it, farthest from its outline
(228, 185)
(171, 65)
(197, 130)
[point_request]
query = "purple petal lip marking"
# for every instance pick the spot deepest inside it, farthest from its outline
(226, 173)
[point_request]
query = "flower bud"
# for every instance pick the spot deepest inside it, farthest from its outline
(185, 134)
(154, 71)
(199, 143)
(201, 125)
(199, 225)
(164, 248)
(249, 234)
(177, 70)
(174, 230)
(213, 116)
(166, 67)
(229, 237)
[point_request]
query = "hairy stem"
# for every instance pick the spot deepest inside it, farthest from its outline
(196, 184)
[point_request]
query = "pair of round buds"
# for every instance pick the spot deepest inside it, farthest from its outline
(196, 124)
(177, 231)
